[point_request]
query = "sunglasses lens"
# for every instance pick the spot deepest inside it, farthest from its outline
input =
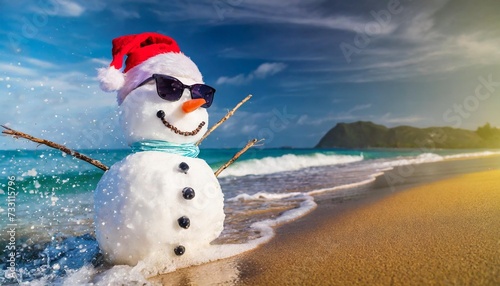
(168, 88)
(203, 91)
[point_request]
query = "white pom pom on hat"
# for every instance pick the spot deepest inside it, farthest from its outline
(110, 79)
(138, 48)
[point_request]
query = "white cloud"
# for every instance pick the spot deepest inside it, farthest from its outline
(263, 71)
(341, 116)
(430, 47)
(102, 62)
(41, 80)
(479, 48)
(294, 12)
(38, 63)
(389, 119)
(235, 80)
(70, 9)
(61, 8)
(341, 22)
(125, 14)
(230, 125)
(243, 123)
(249, 128)
(421, 27)
(418, 42)
(269, 69)
(16, 70)
(303, 119)
(359, 107)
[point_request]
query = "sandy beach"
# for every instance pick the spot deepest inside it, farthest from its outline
(445, 232)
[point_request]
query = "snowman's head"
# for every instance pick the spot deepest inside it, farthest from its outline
(162, 95)
(166, 100)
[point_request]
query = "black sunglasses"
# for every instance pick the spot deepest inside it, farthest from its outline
(171, 89)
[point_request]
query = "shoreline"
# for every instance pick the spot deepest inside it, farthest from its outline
(439, 233)
(348, 242)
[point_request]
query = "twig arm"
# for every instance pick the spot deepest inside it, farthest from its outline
(229, 114)
(17, 134)
(237, 155)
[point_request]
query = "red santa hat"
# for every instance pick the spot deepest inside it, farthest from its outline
(147, 53)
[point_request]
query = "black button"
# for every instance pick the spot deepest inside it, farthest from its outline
(184, 167)
(184, 222)
(179, 250)
(188, 193)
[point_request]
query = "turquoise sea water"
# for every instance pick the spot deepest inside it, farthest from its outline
(53, 202)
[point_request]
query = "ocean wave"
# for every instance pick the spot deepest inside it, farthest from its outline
(371, 178)
(264, 196)
(432, 157)
(288, 162)
(420, 159)
(473, 155)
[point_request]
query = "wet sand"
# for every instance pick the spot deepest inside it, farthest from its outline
(442, 233)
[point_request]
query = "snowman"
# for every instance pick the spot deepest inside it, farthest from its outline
(160, 203)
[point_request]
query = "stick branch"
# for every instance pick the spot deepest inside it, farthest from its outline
(237, 155)
(16, 134)
(229, 114)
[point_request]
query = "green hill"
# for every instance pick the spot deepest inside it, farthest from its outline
(365, 134)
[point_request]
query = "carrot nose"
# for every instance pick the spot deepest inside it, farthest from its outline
(193, 104)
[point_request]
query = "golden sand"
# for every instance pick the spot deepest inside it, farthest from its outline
(444, 233)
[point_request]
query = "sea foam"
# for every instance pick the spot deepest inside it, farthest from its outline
(289, 162)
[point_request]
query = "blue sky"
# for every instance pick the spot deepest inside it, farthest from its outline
(309, 64)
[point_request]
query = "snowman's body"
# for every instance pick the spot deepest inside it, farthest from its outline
(144, 202)
(157, 205)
